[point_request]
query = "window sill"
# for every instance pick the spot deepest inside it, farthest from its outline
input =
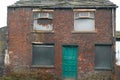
(84, 32)
(103, 68)
(42, 66)
(41, 31)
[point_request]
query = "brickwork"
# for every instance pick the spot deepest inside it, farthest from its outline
(19, 26)
(117, 77)
(20, 22)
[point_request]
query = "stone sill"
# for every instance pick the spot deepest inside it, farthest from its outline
(84, 32)
(103, 68)
(41, 31)
(42, 66)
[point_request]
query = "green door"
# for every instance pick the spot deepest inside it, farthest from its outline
(69, 61)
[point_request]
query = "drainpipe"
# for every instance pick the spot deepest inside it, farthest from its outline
(113, 38)
(114, 41)
(114, 22)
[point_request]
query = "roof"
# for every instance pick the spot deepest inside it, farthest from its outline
(65, 3)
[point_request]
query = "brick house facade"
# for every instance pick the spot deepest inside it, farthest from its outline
(67, 37)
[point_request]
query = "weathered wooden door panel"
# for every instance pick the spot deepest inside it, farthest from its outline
(69, 61)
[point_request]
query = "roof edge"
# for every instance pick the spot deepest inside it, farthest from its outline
(54, 7)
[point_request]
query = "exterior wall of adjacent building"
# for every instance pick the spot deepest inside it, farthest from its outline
(117, 56)
(3, 47)
(21, 36)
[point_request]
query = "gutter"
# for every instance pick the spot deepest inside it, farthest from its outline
(62, 7)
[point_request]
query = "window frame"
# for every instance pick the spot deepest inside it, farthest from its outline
(81, 16)
(36, 28)
(41, 65)
(89, 11)
(111, 58)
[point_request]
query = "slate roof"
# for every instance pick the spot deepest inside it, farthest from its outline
(65, 3)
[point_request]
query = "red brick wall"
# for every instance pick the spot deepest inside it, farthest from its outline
(19, 25)
(20, 21)
(104, 25)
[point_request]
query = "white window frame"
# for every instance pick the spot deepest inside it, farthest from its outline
(81, 16)
(88, 16)
(46, 14)
(43, 16)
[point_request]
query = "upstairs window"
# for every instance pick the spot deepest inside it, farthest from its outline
(43, 21)
(84, 21)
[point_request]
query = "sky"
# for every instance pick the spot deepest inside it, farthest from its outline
(5, 3)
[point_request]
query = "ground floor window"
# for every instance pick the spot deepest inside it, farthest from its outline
(103, 57)
(43, 54)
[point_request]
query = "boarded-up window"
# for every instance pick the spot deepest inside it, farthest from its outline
(43, 55)
(43, 21)
(84, 21)
(103, 57)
